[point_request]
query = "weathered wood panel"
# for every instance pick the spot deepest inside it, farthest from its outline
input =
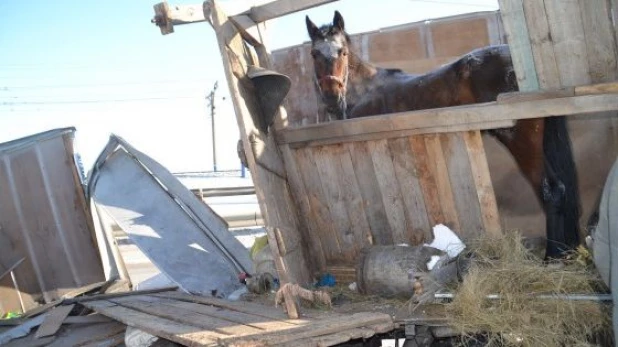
(393, 191)
(272, 189)
(416, 48)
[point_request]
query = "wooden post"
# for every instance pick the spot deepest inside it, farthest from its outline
(271, 187)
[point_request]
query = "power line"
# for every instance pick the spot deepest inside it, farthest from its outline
(67, 102)
(453, 3)
(4, 88)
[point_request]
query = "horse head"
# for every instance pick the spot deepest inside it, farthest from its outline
(329, 49)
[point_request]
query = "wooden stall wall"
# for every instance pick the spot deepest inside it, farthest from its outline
(420, 47)
(46, 236)
(416, 48)
(391, 191)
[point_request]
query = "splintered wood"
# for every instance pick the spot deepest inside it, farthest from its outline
(205, 321)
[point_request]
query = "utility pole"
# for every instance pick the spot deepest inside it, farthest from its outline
(211, 103)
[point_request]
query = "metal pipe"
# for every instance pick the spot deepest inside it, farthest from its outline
(225, 191)
(573, 297)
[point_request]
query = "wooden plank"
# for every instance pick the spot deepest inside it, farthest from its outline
(544, 60)
(477, 113)
(181, 333)
(443, 182)
(118, 295)
(301, 198)
(88, 335)
(53, 321)
(569, 42)
(600, 88)
(318, 328)
(482, 181)
(328, 167)
(164, 309)
(600, 42)
(87, 289)
(89, 319)
(161, 18)
(427, 180)
(381, 232)
(265, 156)
(535, 95)
(244, 307)
(271, 190)
(281, 8)
(353, 200)
(250, 320)
(321, 215)
(463, 186)
(111, 341)
(390, 191)
(343, 336)
(407, 177)
(391, 134)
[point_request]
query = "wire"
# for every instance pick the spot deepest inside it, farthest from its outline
(4, 88)
(66, 102)
(454, 3)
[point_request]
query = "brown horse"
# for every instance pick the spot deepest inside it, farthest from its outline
(350, 87)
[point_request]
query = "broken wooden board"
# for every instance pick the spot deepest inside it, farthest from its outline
(53, 321)
(206, 321)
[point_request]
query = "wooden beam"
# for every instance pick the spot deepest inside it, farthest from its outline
(391, 134)
(263, 158)
(514, 21)
(167, 16)
(361, 128)
(281, 8)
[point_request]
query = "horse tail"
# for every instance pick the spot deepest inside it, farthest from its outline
(559, 189)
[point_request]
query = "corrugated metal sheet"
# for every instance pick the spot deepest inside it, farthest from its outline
(44, 222)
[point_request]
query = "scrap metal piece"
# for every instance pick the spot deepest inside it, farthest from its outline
(181, 235)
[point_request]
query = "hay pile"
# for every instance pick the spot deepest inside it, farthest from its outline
(503, 266)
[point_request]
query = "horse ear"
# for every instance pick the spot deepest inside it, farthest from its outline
(338, 21)
(312, 29)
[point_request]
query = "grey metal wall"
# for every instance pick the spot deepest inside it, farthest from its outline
(46, 234)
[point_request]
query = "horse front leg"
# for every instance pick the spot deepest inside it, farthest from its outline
(543, 154)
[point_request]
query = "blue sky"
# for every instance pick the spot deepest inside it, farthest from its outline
(102, 67)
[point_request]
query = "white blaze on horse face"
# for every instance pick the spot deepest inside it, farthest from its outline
(329, 48)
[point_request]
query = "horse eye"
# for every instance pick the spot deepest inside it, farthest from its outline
(342, 52)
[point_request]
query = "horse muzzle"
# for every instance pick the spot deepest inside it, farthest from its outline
(333, 85)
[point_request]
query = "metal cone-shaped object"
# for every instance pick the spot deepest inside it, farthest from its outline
(270, 88)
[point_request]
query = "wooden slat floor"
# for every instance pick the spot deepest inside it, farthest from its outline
(205, 321)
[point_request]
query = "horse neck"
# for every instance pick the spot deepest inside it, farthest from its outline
(361, 77)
